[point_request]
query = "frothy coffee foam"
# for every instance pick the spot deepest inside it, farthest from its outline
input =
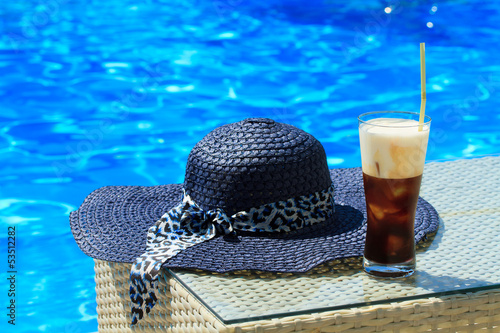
(393, 152)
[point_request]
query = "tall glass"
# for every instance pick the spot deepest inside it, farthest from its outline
(393, 147)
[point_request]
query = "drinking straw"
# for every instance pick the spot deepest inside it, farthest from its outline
(422, 79)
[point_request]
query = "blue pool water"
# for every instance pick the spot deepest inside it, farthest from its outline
(96, 93)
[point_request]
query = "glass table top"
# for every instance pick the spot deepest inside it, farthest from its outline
(464, 255)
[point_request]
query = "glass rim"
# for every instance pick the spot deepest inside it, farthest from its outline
(427, 119)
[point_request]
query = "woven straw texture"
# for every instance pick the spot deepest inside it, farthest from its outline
(456, 189)
(252, 162)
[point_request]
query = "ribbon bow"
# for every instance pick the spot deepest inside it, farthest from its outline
(183, 226)
(187, 224)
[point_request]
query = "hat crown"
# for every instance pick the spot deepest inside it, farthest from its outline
(253, 162)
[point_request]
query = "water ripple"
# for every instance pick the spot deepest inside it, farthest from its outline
(118, 93)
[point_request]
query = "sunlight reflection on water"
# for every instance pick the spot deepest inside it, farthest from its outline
(117, 93)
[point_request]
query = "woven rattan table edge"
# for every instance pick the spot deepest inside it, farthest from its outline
(179, 311)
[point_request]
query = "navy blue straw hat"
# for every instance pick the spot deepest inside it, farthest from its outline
(257, 195)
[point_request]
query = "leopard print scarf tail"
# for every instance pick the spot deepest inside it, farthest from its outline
(187, 224)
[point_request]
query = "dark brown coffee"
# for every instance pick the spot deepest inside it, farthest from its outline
(391, 205)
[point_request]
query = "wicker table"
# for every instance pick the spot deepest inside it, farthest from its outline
(456, 288)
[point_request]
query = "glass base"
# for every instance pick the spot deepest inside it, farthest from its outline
(399, 270)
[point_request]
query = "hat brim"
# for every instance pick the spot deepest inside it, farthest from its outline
(112, 224)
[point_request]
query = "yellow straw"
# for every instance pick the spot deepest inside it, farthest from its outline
(422, 79)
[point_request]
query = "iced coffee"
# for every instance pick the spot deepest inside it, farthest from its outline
(393, 147)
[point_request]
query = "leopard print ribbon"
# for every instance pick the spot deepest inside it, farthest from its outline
(187, 224)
